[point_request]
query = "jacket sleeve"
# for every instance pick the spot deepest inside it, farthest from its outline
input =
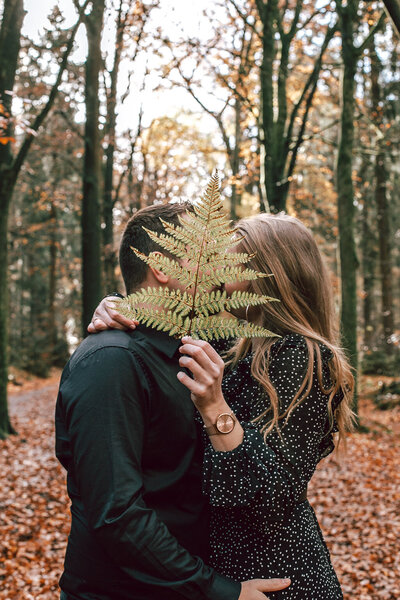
(104, 403)
(269, 476)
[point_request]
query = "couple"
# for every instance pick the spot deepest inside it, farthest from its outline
(140, 439)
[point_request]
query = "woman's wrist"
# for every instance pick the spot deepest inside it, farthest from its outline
(209, 414)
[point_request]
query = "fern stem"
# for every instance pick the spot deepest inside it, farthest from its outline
(192, 313)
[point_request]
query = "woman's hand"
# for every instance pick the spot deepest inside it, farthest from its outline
(106, 317)
(256, 588)
(207, 368)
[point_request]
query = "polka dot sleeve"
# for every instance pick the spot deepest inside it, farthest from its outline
(270, 476)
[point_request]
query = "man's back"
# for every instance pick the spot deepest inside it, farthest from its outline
(126, 434)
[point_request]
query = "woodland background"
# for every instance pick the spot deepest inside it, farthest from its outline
(135, 102)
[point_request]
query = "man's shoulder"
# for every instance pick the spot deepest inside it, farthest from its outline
(108, 342)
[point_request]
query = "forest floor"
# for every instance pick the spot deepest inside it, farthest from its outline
(357, 501)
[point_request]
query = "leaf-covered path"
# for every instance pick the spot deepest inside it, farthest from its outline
(357, 503)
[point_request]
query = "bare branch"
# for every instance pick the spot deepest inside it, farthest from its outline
(73, 126)
(296, 17)
(23, 151)
(320, 11)
(315, 134)
(311, 79)
(244, 16)
(392, 8)
(371, 33)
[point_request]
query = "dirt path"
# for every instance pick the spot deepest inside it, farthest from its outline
(357, 502)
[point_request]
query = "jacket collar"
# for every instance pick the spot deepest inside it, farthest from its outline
(159, 339)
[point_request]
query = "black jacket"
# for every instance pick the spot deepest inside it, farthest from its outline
(125, 432)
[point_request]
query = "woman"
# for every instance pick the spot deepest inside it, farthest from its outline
(279, 403)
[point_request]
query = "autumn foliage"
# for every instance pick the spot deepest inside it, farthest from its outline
(356, 500)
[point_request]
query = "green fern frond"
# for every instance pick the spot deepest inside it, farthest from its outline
(209, 328)
(203, 245)
(180, 233)
(217, 301)
(241, 299)
(228, 259)
(180, 302)
(168, 266)
(169, 243)
(227, 275)
(170, 322)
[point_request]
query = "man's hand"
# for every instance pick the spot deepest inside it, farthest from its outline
(255, 588)
(106, 317)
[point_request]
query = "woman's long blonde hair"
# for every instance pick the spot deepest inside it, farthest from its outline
(284, 247)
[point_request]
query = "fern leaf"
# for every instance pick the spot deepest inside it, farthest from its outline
(208, 328)
(170, 322)
(227, 275)
(168, 242)
(170, 267)
(175, 300)
(205, 239)
(217, 301)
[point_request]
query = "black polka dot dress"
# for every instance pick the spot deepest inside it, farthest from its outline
(260, 527)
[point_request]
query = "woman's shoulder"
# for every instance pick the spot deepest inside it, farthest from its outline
(297, 343)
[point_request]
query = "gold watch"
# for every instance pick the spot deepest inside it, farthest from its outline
(224, 424)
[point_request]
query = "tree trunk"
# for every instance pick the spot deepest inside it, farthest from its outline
(383, 211)
(53, 280)
(267, 12)
(277, 123)
(348, 258)
(10, 36)
(235, 161)
(385, 259)
(368, 264)
(110, 258)
(10, 166)
(5, 425)
(91, 235)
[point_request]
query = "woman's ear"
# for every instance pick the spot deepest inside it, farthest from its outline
(159, 275)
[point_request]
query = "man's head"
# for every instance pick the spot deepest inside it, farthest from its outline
(135, 271)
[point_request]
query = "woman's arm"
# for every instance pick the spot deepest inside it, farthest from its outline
(270, 476)
(107, 317)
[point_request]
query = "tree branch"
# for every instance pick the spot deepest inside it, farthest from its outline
(392, 8)
(313, 75)
(293, 28)
(371, 34)
(23, 151)
(73, 126)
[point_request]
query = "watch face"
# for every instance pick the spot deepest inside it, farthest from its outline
(225, 423)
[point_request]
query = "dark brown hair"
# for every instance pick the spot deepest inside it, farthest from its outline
(133, 269)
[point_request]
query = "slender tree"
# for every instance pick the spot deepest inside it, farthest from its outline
(368, 251)
(281, 137)
(11, 164)
(382, 204)
(10, 35)
(91, 233)
(351, 52)
(130, 25)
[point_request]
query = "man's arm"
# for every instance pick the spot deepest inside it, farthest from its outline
(104, 403)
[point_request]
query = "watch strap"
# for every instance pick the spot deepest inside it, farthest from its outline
(211, 430)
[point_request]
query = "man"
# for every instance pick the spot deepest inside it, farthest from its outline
(125, 432)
